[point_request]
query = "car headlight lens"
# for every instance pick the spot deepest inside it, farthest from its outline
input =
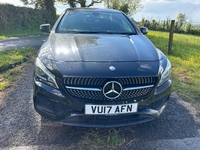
(42, 74)
(165, 73)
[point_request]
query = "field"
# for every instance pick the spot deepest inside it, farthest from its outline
(185, 60)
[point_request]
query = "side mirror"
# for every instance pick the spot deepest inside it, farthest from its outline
(144, 30)
(45, 28)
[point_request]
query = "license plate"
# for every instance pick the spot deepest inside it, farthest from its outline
(110, 109)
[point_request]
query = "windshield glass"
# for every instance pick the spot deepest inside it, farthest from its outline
(95, 22)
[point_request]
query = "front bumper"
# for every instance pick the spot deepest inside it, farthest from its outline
(56, 106)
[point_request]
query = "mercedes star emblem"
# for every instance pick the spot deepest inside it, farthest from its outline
(112, 89)
(112, 68)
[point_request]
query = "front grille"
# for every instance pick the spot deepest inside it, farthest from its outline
(84, 82)
(91, 82)
(100, 82)
(98, 95)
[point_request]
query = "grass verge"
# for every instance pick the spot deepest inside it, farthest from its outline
(9, 60)
(2, 37)
(20, 33)
(185, 62)
(101, 139)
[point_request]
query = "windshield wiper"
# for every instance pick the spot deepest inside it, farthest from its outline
(127, 33)
(97, 32)
(100, 32)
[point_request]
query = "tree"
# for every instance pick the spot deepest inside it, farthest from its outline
(147, 23)
(164, 25)
(181, 20)
(188, 27)
(81, 3)
(168, 21)
(154, 24)
(129, 7)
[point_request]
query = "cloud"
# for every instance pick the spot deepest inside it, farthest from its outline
(153, 9)
(161, 9)
(14, 2)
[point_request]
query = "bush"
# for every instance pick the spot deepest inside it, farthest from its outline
(165, 26)
(19, 19)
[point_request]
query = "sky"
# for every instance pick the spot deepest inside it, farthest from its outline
(152, 9)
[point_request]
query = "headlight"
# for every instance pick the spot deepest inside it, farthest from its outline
(165, 73)
(42, 74)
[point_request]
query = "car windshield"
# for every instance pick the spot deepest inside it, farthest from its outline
(95, 22)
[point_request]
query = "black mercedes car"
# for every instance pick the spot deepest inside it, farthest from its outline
(98, 69)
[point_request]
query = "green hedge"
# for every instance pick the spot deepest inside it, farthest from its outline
(20, 19)
(164, 25)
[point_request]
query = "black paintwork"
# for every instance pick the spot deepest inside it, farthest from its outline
(91, 55)
(102, 47)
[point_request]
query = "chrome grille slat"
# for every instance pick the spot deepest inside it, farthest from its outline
(85, 81)
(136, 80)
(145, 86)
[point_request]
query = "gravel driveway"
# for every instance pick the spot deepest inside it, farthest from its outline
(22, 128)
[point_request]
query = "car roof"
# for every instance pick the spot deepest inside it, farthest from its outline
(93, 9)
